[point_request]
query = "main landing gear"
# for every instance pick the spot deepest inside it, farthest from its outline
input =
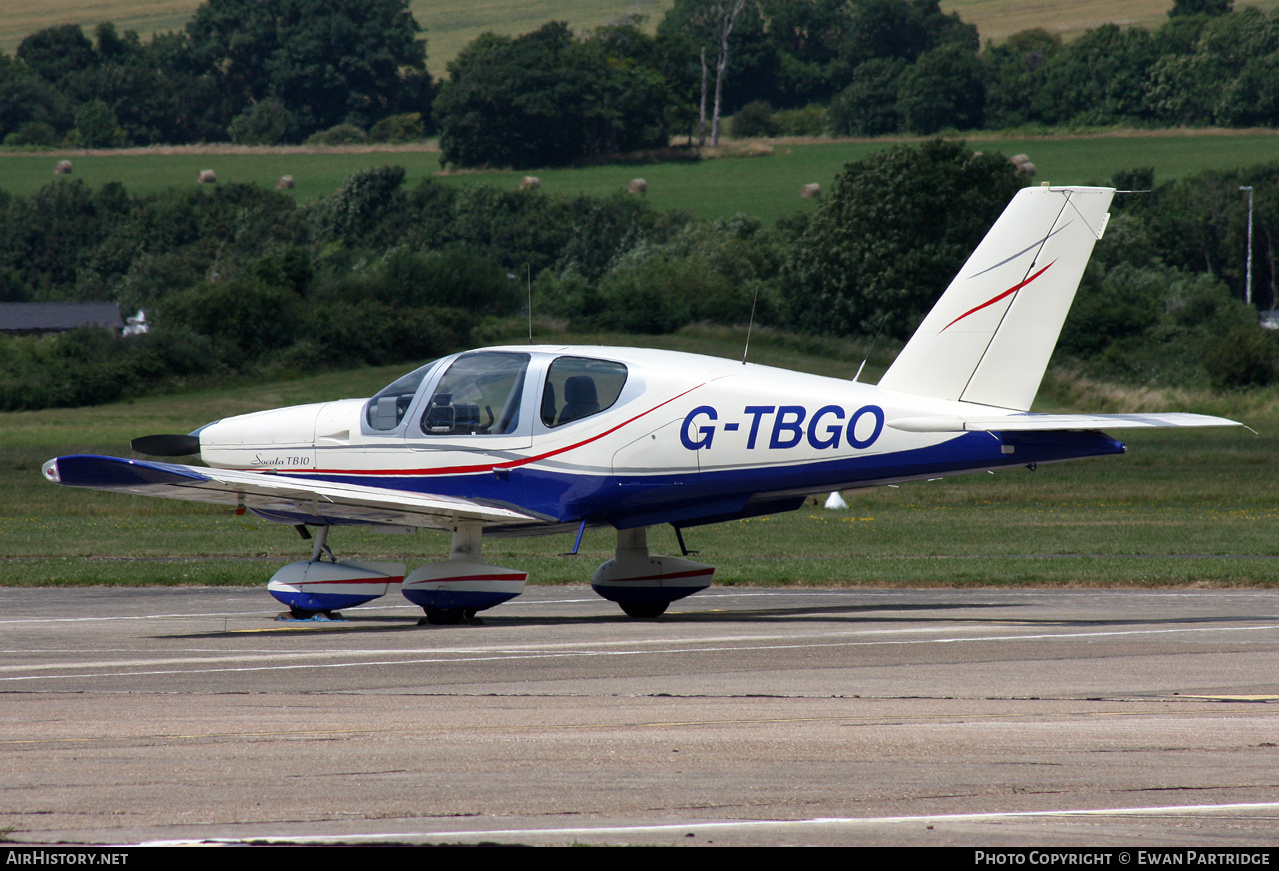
(453, 590)
(645, 585)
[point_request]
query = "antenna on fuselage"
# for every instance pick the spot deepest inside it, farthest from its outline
(528, 274)
(882, 321)
(750, 325)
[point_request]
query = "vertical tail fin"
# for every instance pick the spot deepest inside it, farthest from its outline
(989, 337)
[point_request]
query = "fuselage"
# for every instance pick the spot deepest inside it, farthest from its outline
(622, 436)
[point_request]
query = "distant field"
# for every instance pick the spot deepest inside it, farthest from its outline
(1183, 508)
(451, 26)
(997, 19)
(764, 187)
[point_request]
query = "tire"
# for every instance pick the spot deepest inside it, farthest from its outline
(444, 616)
(644, 610)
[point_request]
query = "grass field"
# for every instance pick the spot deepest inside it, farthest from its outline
(450, 27)
(766, 187)
(1183, 508)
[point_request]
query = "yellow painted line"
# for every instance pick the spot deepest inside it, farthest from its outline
(313, 627)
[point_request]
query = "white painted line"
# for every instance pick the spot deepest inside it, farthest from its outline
(680, 828)
(454, 656)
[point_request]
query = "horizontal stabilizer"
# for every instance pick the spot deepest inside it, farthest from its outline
(1055, 422)
(279, 494)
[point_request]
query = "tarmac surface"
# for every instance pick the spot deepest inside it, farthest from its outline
(743, 716)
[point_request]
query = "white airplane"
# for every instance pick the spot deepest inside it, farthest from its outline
(529, 440)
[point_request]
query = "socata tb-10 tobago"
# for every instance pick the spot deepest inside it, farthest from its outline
(542, 439)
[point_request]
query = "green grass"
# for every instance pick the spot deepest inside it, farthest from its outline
(766, 187)
(1183, 508)
(151, 171)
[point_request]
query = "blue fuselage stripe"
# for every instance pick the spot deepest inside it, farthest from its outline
(571, 496)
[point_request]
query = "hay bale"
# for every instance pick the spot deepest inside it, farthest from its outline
(530, 183)
(810, 191)
(207, 176)
(1023, 165)
(284, 183)
(637, 186)
(63, 167)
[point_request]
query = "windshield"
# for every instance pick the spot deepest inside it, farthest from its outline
(386, 409)
(480, 394)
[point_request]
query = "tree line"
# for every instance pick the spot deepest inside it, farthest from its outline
(238, 280)
(268, 71)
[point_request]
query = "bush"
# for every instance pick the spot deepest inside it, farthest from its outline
(753, 119)
(877, 251)
(34, 133)
(454, 278)
(264, 123)
(399, 128)
(868, 106)
(1244, 357)
(97, 127)
(362, 202)
(339, 134)
(374, 333)
(244, 318)
(808, 121)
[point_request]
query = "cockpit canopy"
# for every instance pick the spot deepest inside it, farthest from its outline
(479, 395)
(483, 393)
(388, 407)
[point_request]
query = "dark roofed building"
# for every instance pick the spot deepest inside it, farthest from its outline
(58, 317)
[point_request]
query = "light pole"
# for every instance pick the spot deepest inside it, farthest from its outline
(1247, 293)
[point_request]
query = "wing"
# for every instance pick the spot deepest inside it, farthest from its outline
(281, 495)
(1051, 422)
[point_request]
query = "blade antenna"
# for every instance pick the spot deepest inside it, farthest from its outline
(879, 331)
(750, 324)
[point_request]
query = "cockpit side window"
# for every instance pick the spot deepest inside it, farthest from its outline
(577, 387)
(479, 395)
(385, 410)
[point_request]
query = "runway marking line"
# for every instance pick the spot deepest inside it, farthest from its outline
(1232, 697)
(682, 828)
(514, 652)
(968, 717)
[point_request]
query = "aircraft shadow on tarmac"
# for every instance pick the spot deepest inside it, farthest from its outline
(882, 612)
(356, 622)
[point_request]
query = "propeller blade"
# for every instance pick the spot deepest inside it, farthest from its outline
(167, 445)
